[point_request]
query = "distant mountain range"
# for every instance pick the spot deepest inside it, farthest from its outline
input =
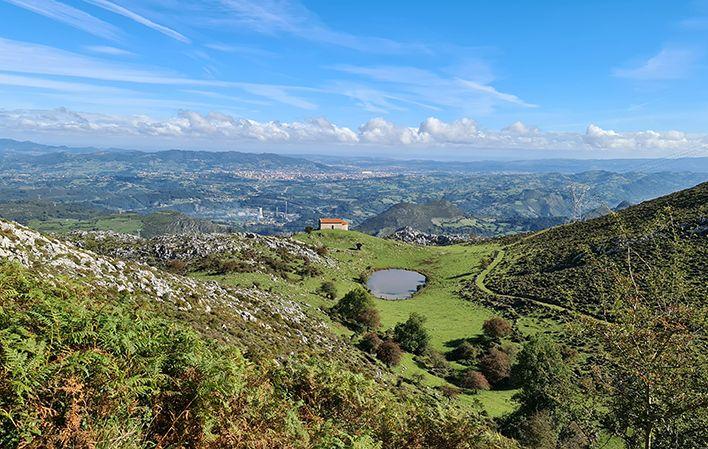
(15, 154)
(10, 147)
(650, 165)
(67, 188)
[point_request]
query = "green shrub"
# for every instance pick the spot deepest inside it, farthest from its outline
(328, 289)
(435, 363)
(357, 310)
(411, 334)
(465, 353)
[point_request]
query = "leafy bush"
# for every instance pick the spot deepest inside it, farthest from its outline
(411, 334)
(328, 290)
(390, 353)
(435, 363)
(495, 365)
(543, 375)
(357, 310)
(538, 431)
(497, 328)
(370, 342)
(465, 353)
(473, 380)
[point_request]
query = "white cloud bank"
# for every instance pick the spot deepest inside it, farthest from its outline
(464, 133)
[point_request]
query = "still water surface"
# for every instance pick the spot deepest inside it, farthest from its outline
(394, 283)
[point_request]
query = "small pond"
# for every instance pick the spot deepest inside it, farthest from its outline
(395, 283)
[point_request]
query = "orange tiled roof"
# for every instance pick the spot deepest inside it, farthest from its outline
(332, 221)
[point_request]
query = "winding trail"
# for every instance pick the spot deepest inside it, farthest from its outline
(481, 277)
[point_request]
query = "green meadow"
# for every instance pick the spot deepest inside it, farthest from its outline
(449, 318)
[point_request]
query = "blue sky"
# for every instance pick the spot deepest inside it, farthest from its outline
(597, 78)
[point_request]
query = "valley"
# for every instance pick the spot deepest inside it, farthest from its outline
(274, 298)
(63, 188)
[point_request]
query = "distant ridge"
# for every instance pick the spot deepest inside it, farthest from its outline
(421, 217)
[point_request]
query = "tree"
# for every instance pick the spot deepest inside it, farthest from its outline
(309, 229)
(651, 354)
(543, 375)
(497, 328)
(495, 365)
(537, 431)
(328, 289)
(390, 353)
(474, 380)
(357, 310)
(411, 334)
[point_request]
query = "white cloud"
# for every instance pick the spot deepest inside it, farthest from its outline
(521, 129)
(108, 50)
(61, 86)
(403, 84)
(460, 134)
(109, 6)
(292, 17)
(597, 137)
(29, 58)
(459, 131)
(70, 16)
(492, 92)
(668, 64)
(187, 124)
(381, 131)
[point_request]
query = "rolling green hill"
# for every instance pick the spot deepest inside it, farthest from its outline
(428, 217)
(558, 266)
(99, 352)
(65, 218)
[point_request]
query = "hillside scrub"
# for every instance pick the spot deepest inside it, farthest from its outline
(559, 266)
(357, 310)
(412, 334)
(497, 328)
(96, 369)
(655, 392)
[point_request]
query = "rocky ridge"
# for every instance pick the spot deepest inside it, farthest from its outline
(410, 235)
(250, 317)
(159, 251)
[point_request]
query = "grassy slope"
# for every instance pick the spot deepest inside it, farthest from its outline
(555, 266)
(449, 318)
(150, 225)
(127, 224)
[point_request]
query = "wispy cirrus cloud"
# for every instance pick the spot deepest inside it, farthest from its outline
(668, 64)
(108, 50)
(71, 16)
(35, 59)
(125, 12)
(291, 18)
(54, 85)
(421, 87)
